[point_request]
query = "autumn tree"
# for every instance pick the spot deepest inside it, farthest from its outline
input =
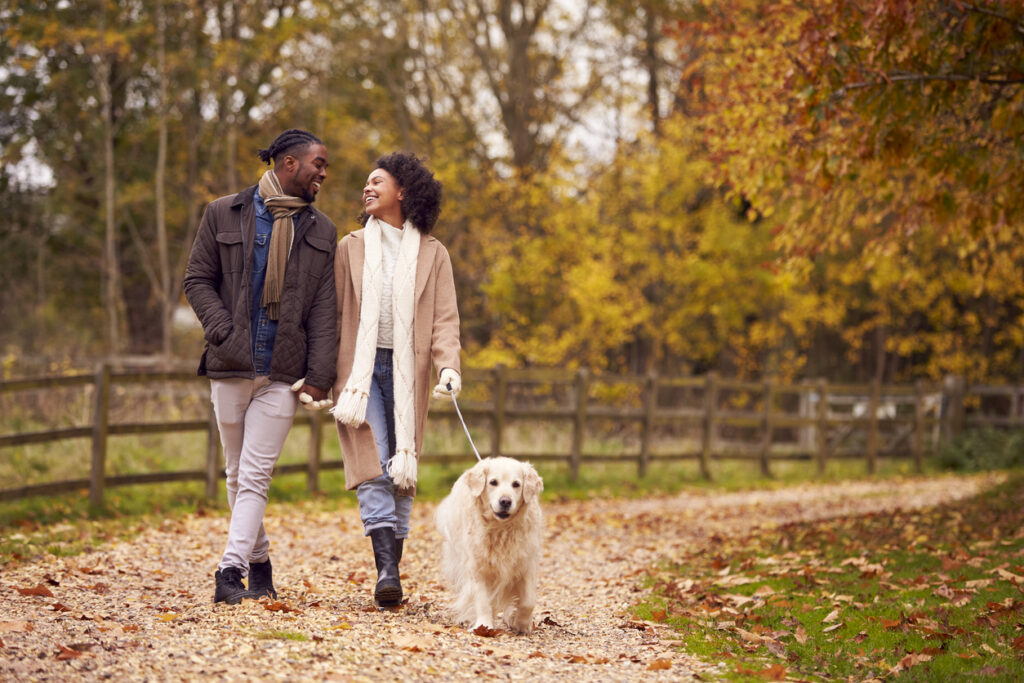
(883, 139)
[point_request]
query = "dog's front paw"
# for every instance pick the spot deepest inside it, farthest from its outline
(519, 621)
(522, 627)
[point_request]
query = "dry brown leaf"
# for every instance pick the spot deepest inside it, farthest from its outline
(660, 665)
(68, 653)
(833, 627)
(485, 632)
(415, 643)
(39, 590)
(775, 672)
(535, 654)
(1009, 576)
(800, 635)
(60, 607)
(279, 606)
(830, 617)
(16, 626)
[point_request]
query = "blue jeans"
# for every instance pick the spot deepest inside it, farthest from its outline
(379, 503)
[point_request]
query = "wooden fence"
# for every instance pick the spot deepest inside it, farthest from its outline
(664, 418)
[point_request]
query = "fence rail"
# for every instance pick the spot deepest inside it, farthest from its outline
(712, 418)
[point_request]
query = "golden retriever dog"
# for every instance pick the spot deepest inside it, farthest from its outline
(491, 528)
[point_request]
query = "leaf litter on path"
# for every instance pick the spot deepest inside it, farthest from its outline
(152, 614)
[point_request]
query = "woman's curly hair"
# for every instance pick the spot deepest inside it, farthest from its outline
(421, 192)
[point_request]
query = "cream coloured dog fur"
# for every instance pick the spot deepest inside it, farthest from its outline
(491, 529)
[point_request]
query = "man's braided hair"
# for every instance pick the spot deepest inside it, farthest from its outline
(287, 143)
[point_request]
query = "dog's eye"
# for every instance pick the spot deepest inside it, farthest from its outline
(515, 484)
(494, 482)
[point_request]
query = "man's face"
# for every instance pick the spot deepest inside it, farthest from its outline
(304, 173)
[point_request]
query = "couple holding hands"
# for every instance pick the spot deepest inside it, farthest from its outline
(292, 316)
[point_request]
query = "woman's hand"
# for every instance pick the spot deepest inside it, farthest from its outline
(310, 397)
(450, 384)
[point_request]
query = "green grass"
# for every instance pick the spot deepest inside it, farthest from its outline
(282, 635)
(922, 595)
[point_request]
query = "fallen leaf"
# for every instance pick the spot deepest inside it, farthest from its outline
(415, 643)
(833, 627)
(548, 621)
(535, 654)
(830, 617)
(775, 672)
(485, 632)
(59, 607)
(660, 665)
(39, 590)
(800, 635)
(1009, 576)
(281, 607)
(169, 616)
(15, 626)
(68, 653)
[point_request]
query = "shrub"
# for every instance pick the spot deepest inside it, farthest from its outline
(981, 449)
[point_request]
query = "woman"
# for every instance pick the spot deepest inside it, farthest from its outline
(396, 313)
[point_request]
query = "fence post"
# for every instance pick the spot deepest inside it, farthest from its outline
(315, 443)
(766, 434)
(872, 454)
(954, 390)
(212, 454)
(580, 426)
(918, 443)
(710, 423)
(821, 425)
(100, 422)
(650, 405)
(498, 419)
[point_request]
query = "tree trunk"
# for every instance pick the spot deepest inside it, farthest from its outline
(163, 265)
(111, 271)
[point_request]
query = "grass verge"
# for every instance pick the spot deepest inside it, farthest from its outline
(935, 594)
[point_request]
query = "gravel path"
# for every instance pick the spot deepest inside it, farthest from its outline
(142, 610)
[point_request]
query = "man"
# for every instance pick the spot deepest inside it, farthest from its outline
(260, 278)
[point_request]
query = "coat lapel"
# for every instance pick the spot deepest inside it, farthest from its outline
(424, 264)
(357, 254)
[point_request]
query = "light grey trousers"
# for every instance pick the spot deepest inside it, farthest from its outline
(253, 417)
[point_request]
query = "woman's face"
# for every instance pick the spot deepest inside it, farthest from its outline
(382, 197)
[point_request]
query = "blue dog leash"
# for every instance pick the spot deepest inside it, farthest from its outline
(464, 427)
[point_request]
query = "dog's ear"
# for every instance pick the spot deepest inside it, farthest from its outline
(476, 478)
(532, 483)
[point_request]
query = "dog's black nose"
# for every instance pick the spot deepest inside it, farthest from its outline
(505, 503)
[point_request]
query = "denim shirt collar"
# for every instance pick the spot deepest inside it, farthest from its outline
(261, 208)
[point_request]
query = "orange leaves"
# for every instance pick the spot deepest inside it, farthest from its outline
(278, 606)
(39, 590)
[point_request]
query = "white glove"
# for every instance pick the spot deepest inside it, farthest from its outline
(307, 401)
(449, 385)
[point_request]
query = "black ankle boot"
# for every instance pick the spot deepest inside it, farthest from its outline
(388, 592)
(399, 542)
(261, 579)
(229, 586)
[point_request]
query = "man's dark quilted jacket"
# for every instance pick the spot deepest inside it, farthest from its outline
(218, 285)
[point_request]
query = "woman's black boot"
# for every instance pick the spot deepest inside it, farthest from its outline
(388, 592)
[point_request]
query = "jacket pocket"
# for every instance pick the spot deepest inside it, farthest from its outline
(231, 251)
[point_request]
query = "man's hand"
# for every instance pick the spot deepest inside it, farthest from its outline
(310, 397)
(450, 384)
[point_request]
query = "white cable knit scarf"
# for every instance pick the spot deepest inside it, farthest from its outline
(350, 406)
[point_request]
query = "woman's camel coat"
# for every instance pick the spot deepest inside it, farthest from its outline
(435, 338)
